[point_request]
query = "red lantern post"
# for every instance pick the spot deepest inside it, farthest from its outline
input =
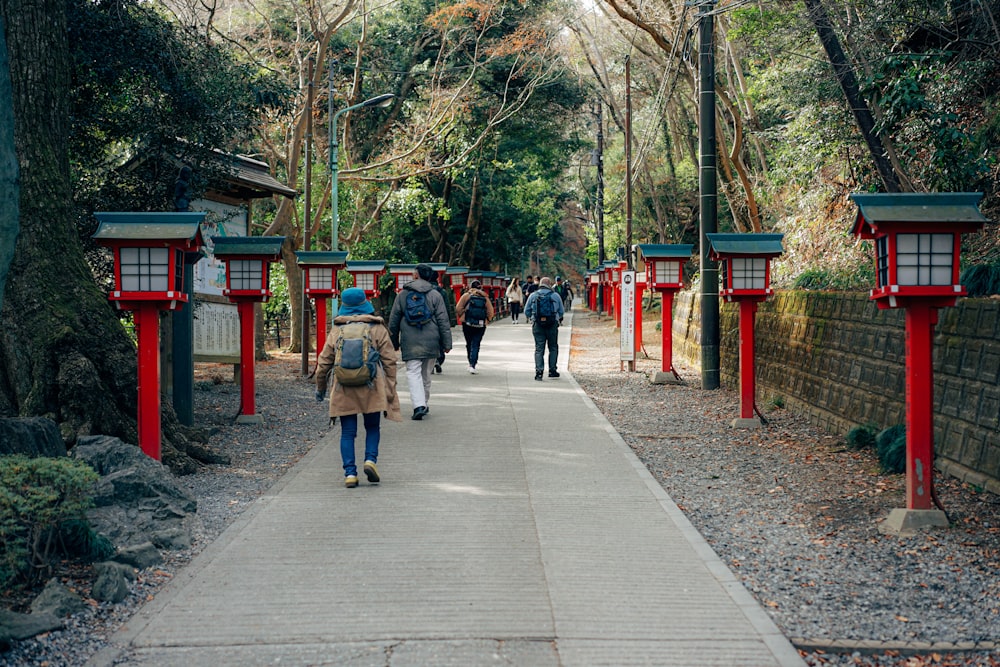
(456, 274)
(402, 275)
(747, 281)
(320, 276)
(149, 251)
(248, 260)
(665, 274)
(366, 273)
(917, 252)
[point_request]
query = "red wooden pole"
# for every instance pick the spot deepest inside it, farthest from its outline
(920, 321)
(747, 386)
(618, 305)
(147, 323)
(666, 330)
(247, 351)
(320, 326)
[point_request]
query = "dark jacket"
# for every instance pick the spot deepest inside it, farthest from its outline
(420, 342)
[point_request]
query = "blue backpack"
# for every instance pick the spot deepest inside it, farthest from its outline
(415, 308)
(545, 310)
(475, 311)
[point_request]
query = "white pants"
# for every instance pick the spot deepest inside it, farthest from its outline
(418, 376)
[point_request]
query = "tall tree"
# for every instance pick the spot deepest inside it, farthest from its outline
(8, 167)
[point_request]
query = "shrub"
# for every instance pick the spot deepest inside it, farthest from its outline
(891, 447)
(39, 497)
(982, 279)
(861, 437)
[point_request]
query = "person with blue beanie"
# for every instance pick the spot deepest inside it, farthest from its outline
(372, 400)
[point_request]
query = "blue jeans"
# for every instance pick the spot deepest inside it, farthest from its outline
(473, 337)
(546, 336)
(349, 431)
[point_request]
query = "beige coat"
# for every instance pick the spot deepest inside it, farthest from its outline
(381, 397)
(464, 302)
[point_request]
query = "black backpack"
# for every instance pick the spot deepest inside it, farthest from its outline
(475, 311)
(545, 310)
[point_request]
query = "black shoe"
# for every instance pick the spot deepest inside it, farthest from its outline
(538, 375)
(553, 374)
(418, 413)
(437, 368)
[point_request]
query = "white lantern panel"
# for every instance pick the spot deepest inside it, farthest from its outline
(403, 280)
(145, 269)
(749, 273)
(667, 272)
(882, 260)
(321, 278)
(365, 281)
(924, 259)
(246, 274)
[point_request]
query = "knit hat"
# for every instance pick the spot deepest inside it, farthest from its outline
(354, 302)
(427, 272)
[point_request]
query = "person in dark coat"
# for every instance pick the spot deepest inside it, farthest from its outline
(420, 343)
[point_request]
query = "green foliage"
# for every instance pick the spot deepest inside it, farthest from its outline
(829, 279)
(890, 445)
(38, 498)
(277, 307)
(982, 279)
(146, 92)
(861, 437)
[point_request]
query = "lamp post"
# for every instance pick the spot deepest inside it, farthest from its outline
(379, 101)
(665, 274)
(149, 254)
(747, 281)
(917, 254)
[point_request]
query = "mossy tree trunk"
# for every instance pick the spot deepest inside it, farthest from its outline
(63, 352)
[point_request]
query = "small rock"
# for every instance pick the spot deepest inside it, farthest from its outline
(57, 600)
(112, 582)
(140, 556)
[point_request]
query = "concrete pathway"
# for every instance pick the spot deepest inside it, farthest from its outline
(513, 526)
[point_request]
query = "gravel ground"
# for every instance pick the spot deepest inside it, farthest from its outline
(789, 509)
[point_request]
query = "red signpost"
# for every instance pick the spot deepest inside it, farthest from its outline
(149, 251)
(247, 261)
(917, 251)
(747, 280)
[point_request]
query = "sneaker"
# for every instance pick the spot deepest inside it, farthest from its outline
(437, 368)
(553, 374)
(472, 369)
(419, 412)
(351, 481)
(538, 375)
(371, 472)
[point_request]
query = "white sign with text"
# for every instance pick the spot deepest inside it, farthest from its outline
(628, 316)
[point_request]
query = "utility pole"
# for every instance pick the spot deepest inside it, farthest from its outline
(628, 161)
(307, 218)
(708, 199)
(600, 183)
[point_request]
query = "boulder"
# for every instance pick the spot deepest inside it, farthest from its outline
(112, 581)
(57, 600)
(32, 436)
(22, 626)
(136, 497)
(139, 556)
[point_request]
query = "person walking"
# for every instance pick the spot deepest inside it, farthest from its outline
(449, 302)
(475, 311)
(562, 288)
(544, 310)
(529, 286)
(420, 329)
(515, 298)
(371, 398)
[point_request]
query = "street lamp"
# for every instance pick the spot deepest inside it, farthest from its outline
(380, 101)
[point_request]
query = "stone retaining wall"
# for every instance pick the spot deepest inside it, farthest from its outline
(838, 359)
